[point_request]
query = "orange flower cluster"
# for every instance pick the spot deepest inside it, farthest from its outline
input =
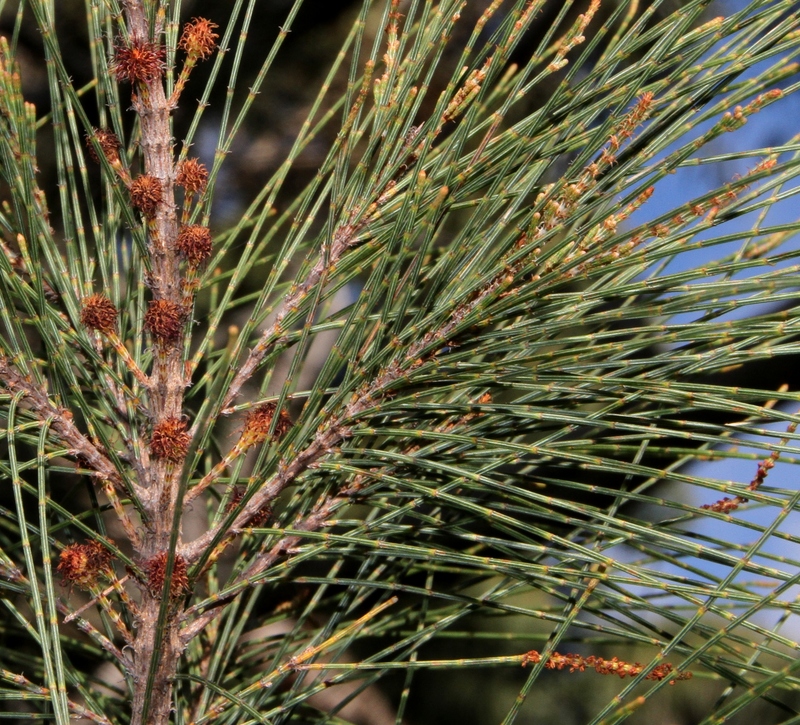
(108, 141)
(140, 61)
(81, 564)
(726, 505)
(258, 423)
(194, 243)
(614, 666)
(164, 319)
(156, 568)
(192, 176)
(626, 128)
(99, 313)
(198, 39)
(146, 194)
(170, 440)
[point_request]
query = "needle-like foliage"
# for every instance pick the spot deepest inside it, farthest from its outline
(487, 392)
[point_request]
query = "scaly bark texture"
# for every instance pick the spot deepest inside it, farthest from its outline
(157, 648)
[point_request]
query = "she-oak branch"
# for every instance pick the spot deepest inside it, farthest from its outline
(149, 482)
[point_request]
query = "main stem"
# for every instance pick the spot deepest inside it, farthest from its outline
(157, 649)
(168, 653)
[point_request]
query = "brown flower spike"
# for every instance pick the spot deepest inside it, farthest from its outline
(258, 423)
(155, 569)
(81, 564)
(164, 319)
(198, 39)
(170, 440)
(192, 176)
(614, 666)
(98, 313)
(138, 61)
(194, 243)
(146, 194)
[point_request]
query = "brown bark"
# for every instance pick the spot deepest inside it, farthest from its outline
(153, 643)
(166, 646)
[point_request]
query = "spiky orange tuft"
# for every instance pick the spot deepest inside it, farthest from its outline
(258, 423)
(146, 194)
(81, 564)
(156, 567)
(137, 61)
(108, 141)
(170, 440)
(198, 39)
(164, 319)
(99, 313)
(194, 243)
(192, 176)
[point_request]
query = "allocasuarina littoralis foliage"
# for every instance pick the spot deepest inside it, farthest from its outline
(450, 401)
